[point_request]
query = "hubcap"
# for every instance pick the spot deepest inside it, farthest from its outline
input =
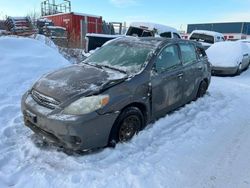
(128, 128)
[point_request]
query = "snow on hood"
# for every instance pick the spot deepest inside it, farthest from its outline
(74, 80)
(226, 54)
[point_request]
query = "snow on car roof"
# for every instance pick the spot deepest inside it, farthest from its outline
(151, 26)
(226, 54)
(212, 33)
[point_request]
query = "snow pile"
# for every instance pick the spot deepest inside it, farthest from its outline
(45, 40)
(23, 60)
(226, 54)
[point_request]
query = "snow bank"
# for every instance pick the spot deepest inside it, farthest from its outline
(45, 40)
(226, 54)
(23, 60)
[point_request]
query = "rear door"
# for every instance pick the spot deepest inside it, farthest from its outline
(166, 80)
(192, 69)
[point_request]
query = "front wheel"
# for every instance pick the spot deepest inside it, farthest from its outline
(128, 124)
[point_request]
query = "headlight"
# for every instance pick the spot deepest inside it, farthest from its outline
(86, 105)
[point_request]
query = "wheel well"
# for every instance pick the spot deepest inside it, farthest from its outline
(142, 107)
(206, 80)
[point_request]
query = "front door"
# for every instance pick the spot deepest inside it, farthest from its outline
(166, 81)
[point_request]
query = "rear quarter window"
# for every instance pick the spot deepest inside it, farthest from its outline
(188, 53)
(201, 52)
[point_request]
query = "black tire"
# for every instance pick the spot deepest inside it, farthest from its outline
(202, 89)
(129, 123)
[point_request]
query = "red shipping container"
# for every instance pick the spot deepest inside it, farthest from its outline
(77, 25)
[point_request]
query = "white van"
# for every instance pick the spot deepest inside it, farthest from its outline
(206, 38)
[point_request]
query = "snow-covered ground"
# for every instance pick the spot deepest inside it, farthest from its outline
(204, 144)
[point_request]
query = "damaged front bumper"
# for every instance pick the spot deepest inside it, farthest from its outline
(73, 132)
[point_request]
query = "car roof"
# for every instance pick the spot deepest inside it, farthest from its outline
(154, 41)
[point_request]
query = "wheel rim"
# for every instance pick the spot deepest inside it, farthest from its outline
(129, 128)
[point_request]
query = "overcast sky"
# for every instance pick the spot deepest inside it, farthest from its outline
(173, 13)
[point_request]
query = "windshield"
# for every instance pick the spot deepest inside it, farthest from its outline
(202, 37)
(128, 57)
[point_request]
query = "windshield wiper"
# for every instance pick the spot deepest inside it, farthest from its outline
(114, 68)
(93, 65)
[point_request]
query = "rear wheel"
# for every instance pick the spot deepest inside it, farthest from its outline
(202, 89)
(128, 124)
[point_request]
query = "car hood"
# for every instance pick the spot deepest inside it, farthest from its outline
(74, 80)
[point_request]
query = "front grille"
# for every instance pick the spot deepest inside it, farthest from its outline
(44, 100)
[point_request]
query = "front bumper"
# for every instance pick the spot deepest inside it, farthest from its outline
(224, 71)
(73, 132)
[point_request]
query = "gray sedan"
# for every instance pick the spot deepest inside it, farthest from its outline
(116, 92)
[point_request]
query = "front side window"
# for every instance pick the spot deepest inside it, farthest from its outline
(188, 53)
(168, 58)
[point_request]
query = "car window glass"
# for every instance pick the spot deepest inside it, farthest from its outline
(188, 53)
(168, 58)
(166, 35)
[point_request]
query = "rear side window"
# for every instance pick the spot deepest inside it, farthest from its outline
(168, 58)
(188, 53)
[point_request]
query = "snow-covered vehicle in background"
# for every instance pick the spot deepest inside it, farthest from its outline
(228, 58)
(136, 29)
(247, 42)
(206, 38)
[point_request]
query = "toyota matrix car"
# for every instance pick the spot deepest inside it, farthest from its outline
(116, 92)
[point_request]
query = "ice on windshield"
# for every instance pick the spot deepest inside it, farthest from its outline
(127, 57)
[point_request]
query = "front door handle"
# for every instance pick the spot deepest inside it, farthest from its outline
(180, 75)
